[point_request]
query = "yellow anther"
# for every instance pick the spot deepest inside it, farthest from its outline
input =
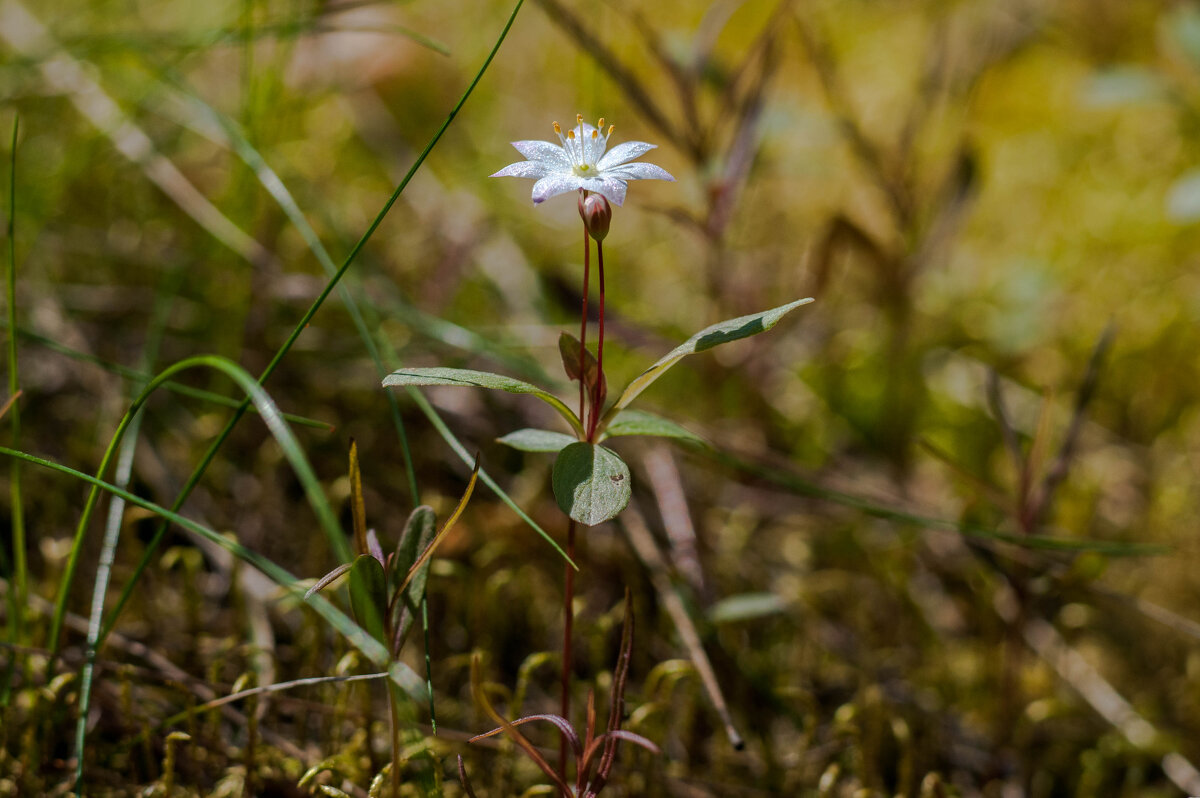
(600, 124)
(571, 134)
(579, 119)
(595, 134)
(557, 129)
(610, 130)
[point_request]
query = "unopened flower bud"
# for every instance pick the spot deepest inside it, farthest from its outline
(596, 214)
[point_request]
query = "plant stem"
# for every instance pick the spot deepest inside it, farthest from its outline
(394, 722)
(18, 505)
(568, 609)
(596, 398)
(583, 317)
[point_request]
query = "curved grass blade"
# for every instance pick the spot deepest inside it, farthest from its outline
(370, 648)
(714, 335)
(292, 451)
(116, 508)
(438, 375)
(202, 466)
(275, 423)
(142, 377)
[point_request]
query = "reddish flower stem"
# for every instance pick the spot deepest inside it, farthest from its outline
(569, 572)
(568, 607)
(583, 319)
(595, 420)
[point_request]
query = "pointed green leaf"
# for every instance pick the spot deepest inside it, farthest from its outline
(591, 483)
(478, 379)
(717, 334)
(368, 595)
(638, 422)
(419, 532)
(537, 440)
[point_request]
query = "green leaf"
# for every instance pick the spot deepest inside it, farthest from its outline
(478, 379)
(537, 440)
(368, 595)
(591, 483)
(419, 532)
(717, 334)
(746, 607)
(638, 422)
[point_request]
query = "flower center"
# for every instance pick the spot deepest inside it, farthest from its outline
(584, 145)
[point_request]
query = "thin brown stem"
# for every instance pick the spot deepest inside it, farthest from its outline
(568, 613)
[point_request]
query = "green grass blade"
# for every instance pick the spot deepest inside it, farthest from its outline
(116, 510)
(274, 185)
(198, 472)
(275, 423)
(142, 377)
(370, 648)
(20, 567)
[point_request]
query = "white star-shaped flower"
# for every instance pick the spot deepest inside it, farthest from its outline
(581, 162)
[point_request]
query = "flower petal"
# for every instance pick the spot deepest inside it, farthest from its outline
(625, 151)
(639, 171)
(612, 188)
(554, 185)
(534, 169)
(543, 151)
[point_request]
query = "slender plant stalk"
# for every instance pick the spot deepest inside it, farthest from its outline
(394, 721)
(568, 650)
(583, 317)
(116, 508)
(599, 346)
(569, 572)
(200, 469)
(14, 412)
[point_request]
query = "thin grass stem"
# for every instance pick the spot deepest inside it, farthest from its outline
(20, 566)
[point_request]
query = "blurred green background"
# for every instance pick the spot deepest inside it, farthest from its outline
(973, 191)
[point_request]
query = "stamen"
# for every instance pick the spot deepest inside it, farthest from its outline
(610, 130)
(600, 126)
(571, 134)
(595, 134)
(579, 119)
(557, 129)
